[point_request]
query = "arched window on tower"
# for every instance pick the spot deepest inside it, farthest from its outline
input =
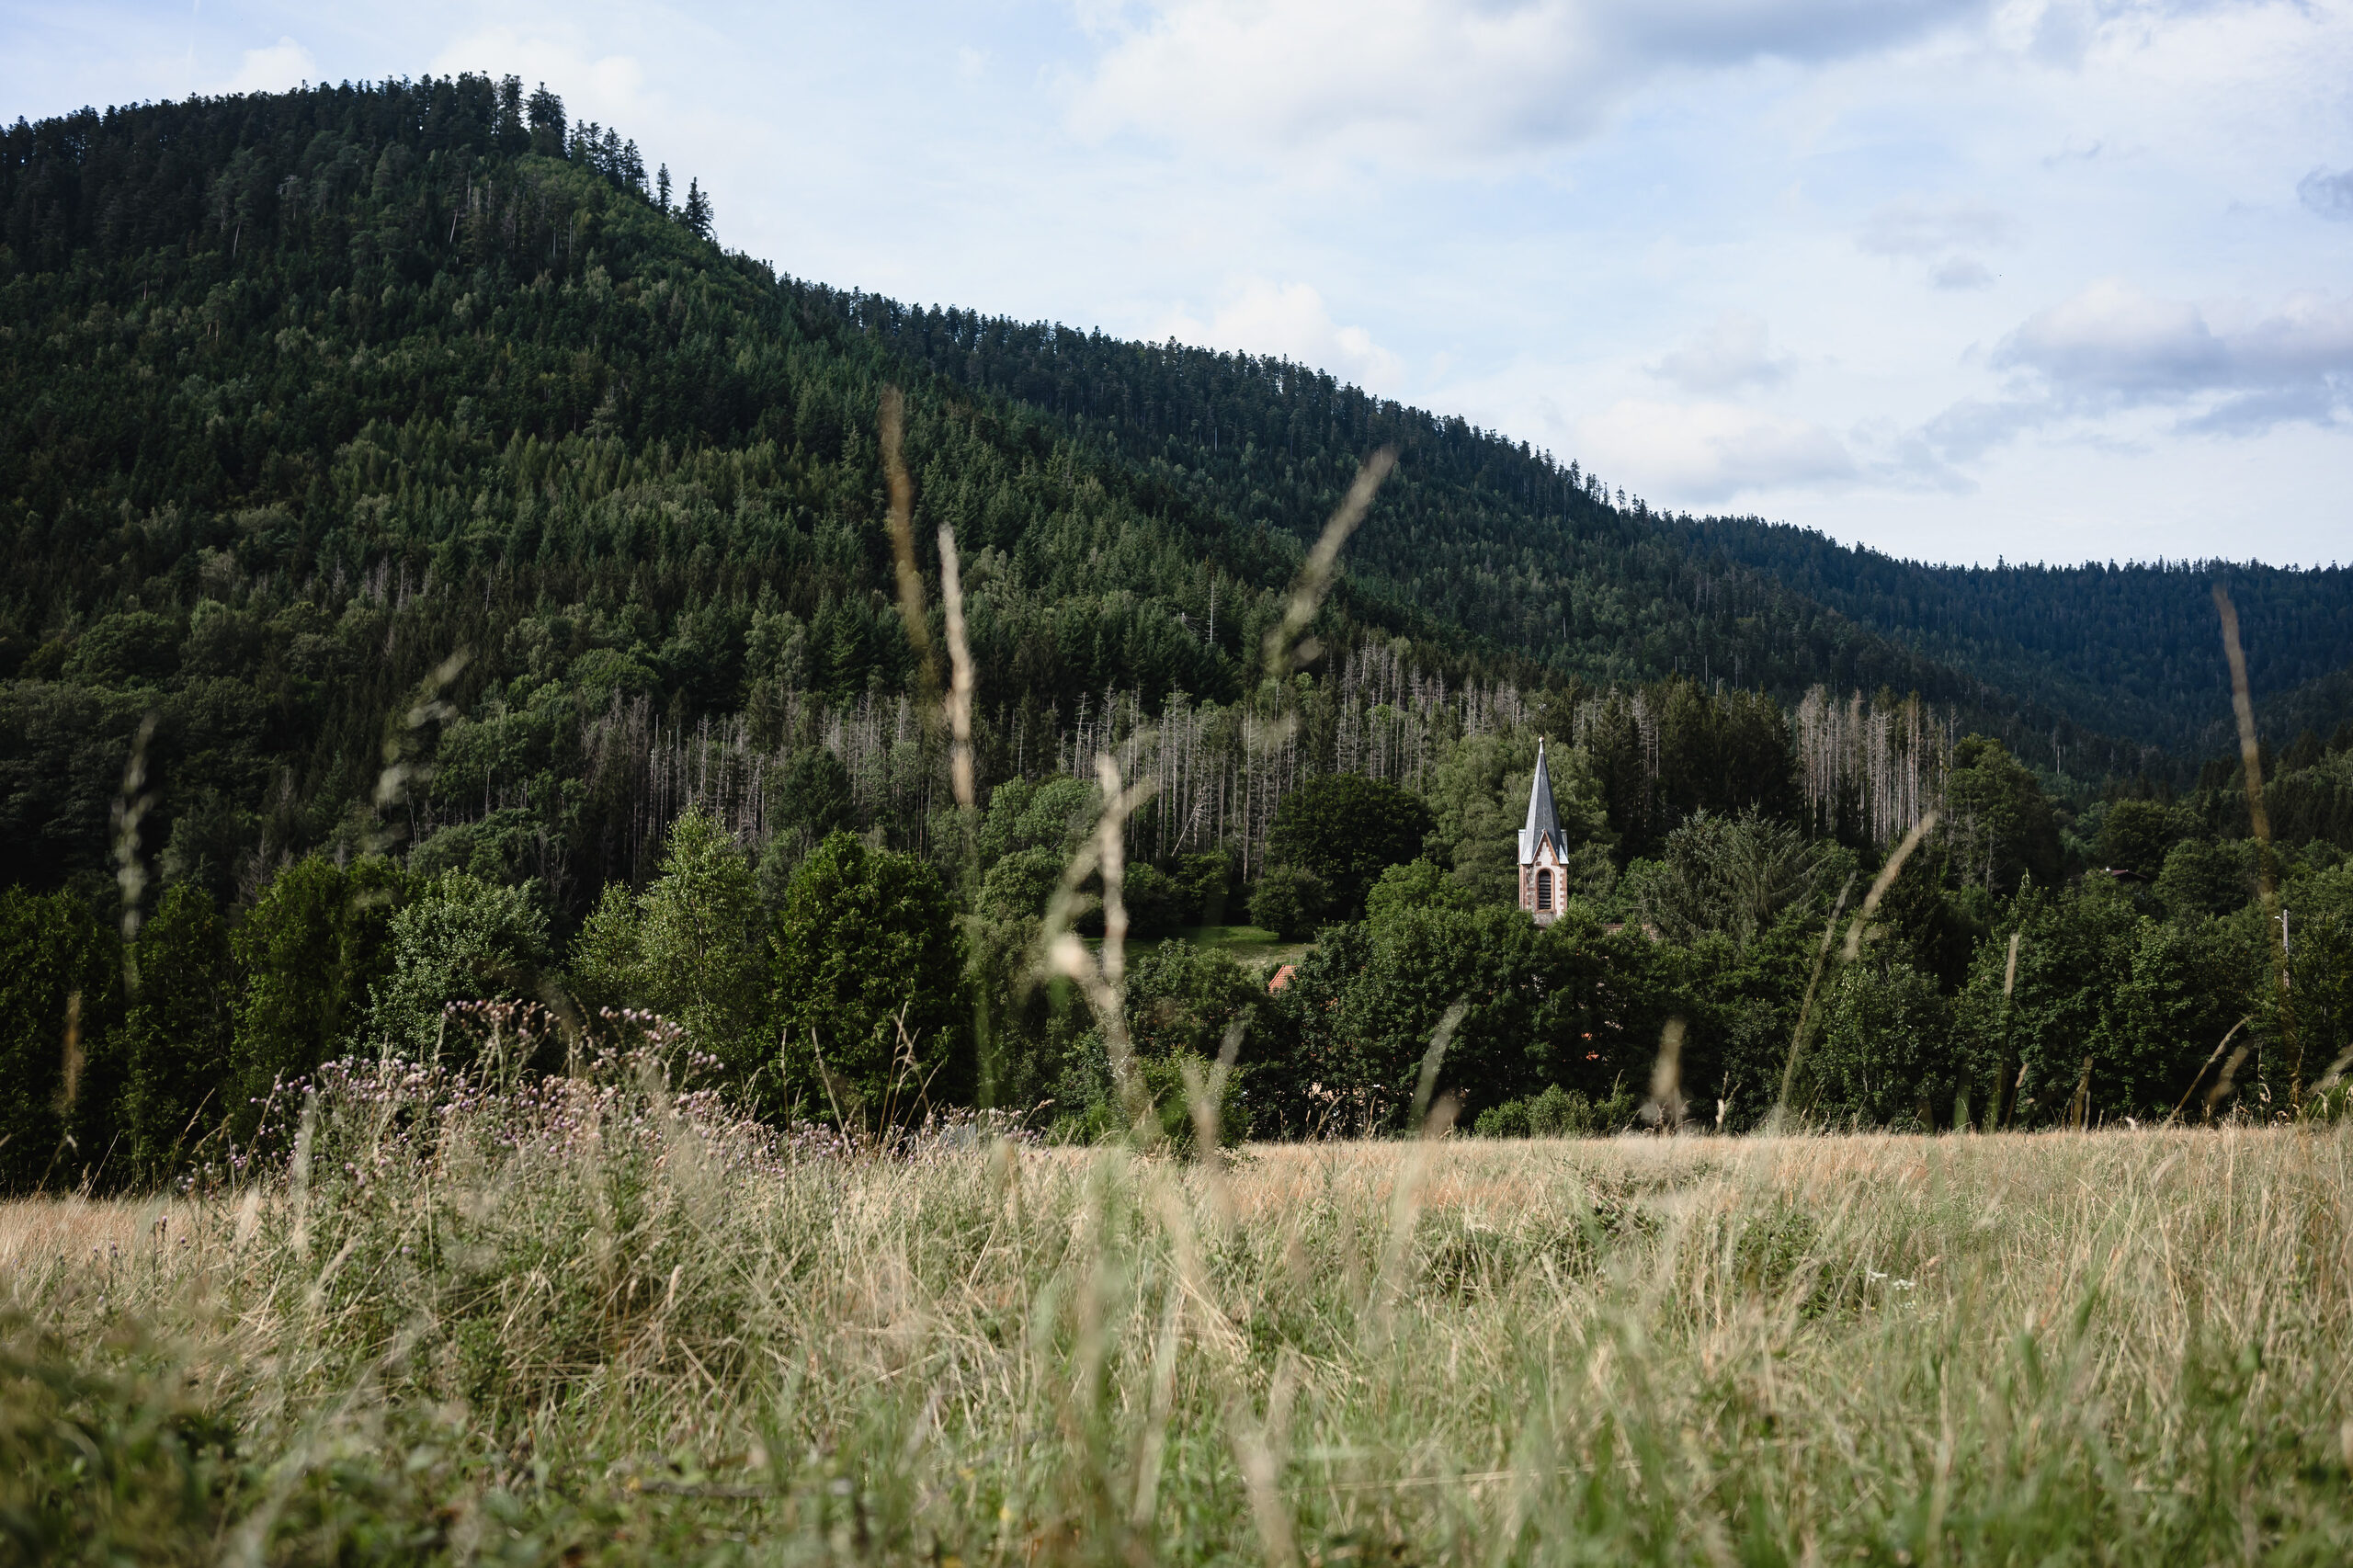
(1544, 890)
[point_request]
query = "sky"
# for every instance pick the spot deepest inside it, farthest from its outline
(2030, 279)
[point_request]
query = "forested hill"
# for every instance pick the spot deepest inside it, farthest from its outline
(300, 394)
(2131, 650)
(1477, 535)
(1530, 557)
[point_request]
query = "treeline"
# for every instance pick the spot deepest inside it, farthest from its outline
(141, 1062)
(2000, 980)
(89, 188)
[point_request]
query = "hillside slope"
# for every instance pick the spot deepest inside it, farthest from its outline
(2132, 650)
(1524, 552)
(301, 394)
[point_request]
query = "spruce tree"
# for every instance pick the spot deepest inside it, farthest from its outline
(512, 135)
(547, 123)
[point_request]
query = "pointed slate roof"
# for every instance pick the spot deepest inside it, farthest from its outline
(1541, 822)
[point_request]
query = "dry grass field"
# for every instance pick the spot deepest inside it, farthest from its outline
(589, 1326)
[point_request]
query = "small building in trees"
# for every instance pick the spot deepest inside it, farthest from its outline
(1542, 851)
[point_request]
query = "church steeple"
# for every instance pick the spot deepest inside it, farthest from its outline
(1541, 822)
(1542, 852)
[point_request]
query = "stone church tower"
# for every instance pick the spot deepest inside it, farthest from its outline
(1542, 886)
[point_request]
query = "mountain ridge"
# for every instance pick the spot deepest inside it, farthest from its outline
(2027, 623)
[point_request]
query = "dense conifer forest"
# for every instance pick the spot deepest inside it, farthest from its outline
(444, 578)
(2126, 650)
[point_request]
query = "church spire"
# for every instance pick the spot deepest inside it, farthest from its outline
(1541, 822)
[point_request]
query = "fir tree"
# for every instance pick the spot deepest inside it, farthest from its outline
(547, 123)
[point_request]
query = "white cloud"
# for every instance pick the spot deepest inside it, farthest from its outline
(1705, 453)
(283, 64)
(2112, 343)
(2222, 368)
(1735, 351)
(1290, 321)
(1423, 77)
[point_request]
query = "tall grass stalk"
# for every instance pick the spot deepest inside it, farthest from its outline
(1101, 975)
(962, 678)
(1777, 1118)
(2260, 824)
(2013, 1074)
(1287, 645)
(899, 523)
